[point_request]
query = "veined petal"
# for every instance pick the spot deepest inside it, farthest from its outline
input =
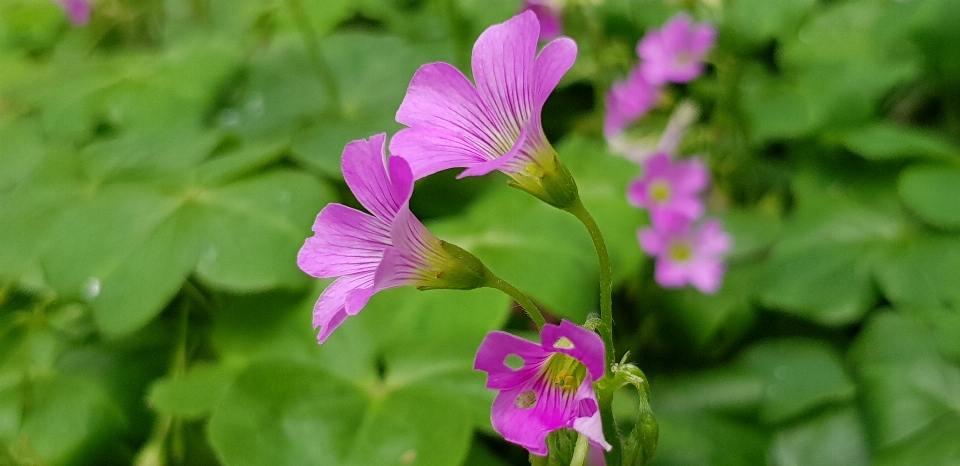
(584, 345)
(441, 97)
(398, 269)
(492, 356)
(365, 170)
(346, 241)
(498, 163)
(526, 427)
(329, 312)
(503, 58)
(433, 149)
(553, 61)
(588, 421)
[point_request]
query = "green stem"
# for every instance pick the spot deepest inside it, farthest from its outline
(610, 432)
(493, 281)
(606, 280)
(312, 42)
(580, 451)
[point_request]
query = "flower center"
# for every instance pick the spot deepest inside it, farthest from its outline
(565, 372)
(681, 251)
(660, 191)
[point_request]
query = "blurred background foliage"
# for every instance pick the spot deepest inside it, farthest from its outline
(161, 166)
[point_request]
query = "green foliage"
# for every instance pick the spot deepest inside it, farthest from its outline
(161, 166)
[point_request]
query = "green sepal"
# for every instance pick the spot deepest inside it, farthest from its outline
(458, 270)
(552, 184)
(561, 444)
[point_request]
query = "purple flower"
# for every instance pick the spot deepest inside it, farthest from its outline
(549, 14)
(370, 253)
(494, 125)
(687, 253)
(670, 190)
(551, 389)
(675, 52)
(628, 100)
(77, 10)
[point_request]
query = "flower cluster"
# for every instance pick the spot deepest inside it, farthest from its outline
(490, 124)
(671, 54)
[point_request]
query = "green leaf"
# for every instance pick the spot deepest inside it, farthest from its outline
(70, 419)
(832, 244)
(835, 438)
(371, 73)
(755, 21)
(192, 395)
(885, 141)
(403, 368)
(908, 389)
(799, 376)
(931, 192)
(140, 241)
(922, 270)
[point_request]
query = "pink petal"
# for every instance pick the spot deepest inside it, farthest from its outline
(397, 269)
(687, 206)
(706, 275)
(347, 241)
(669, 273)
(499, 162)
(691, 176)
(548, 16)
(365, 171)
(503, 58)
(589, 423)
(551, 64)
(430, 150)
(637, 193)
(329, 311)
(711, 240)
(587, 345)
(526, 427)
(703, 37)
(651, 241)
(492, 355)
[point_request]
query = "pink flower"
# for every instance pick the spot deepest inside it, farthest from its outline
(670, 190)
(494, 125)
(549, 14)
(370, 253)
(675, 52)
(77, 10)
(551, 389)
(687, 253)
(626, 101)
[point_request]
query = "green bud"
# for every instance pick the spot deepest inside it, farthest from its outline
(641, 444)
(550, 181)
(457, 269)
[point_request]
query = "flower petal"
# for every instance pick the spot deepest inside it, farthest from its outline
(365, 171)
(329, 311)
(706, 275)
(527, 427)
(499, 162)
(588, 421)
(551, 64)
(346, 241)
(503, 69)
(587, 345)
(669, 273)
(434, 149)
(492, 356)
(651, 241)
(711, 240)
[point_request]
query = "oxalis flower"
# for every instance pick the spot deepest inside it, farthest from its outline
(370, 253)
(687, 253)
(627, 101)
(550, 390)
(675, 52)
(670, 190)
(495, 124)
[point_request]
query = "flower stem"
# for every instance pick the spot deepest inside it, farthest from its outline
(606, 280)
(493, 281)
(580, 451)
